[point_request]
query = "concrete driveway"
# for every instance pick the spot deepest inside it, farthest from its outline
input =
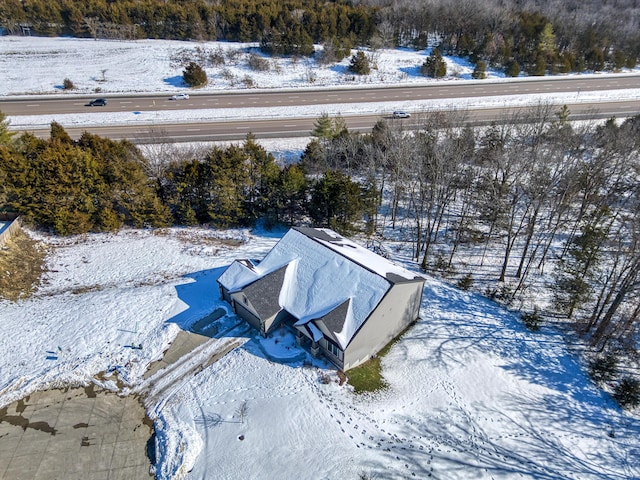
(74, 434)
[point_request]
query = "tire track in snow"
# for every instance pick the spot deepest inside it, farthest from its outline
(159, 389)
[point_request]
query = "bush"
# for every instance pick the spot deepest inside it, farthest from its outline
(68, 84)
(532, 320)
(627, 392)
(194, 75)
(216, 57)
(258, 63)
(465, 282)
(603, 368)
(359, 64)
(248, 81)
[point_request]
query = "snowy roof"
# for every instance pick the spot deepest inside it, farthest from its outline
(362, 256)
(323, 271)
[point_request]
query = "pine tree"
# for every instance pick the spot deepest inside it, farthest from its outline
(336, 201)
(434, 66)
(194, 75)
(6, 136)
(480, 70)
(513, 69)
(323, 127)
(359, 64)
(290, 194)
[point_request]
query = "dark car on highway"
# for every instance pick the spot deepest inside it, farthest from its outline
(98, 102)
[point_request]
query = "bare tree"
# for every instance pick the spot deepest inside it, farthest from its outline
(242, 411)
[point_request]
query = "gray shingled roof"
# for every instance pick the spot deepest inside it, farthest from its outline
(334, 320)
(265, 292)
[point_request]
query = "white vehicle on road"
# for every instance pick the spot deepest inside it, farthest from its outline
(180, 96)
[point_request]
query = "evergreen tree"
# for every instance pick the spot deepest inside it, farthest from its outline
(194, 75)
(573, 287)
(262, 179)
(359, 64)
(336, 202)
(6, 136)
(227, 184)
(290, 194)
(323, 127)
(434, 66)
(513, 69)
(480, 70)
(327, 129)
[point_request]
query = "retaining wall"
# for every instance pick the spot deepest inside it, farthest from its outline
(12, 227)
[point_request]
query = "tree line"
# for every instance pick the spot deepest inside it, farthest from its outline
(96, 184)
(289, 22)
(537, 37)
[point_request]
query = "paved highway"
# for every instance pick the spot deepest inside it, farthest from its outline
(292, 127)
(295, 127)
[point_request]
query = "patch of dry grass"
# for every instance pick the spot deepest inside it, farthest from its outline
(22, 263)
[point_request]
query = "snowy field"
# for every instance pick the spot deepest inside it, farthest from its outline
(109, 68)
(472, 393)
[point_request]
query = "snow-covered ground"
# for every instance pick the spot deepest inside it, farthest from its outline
(472, 393)
(109, 68)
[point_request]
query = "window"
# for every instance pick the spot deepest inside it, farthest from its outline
(333, 348)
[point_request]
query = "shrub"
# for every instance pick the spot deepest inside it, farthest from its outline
(216, 57)
(359, 64)
(248, 81)
(532, 320)
(68, 84)
(194, 75)
(258, 63)
(627, 392)
(603, 368)
(465, 282)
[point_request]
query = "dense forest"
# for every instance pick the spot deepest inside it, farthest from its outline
(535, 37)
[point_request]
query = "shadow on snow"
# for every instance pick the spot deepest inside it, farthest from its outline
(207, 314)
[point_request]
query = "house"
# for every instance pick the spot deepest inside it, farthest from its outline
(343, 300)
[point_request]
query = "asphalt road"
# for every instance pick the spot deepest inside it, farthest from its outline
(300, 127)
(231, 130)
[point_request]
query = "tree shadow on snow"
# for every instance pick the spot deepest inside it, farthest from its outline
(451, 443)
(412, 71)
(461, 324)
(176, 81)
